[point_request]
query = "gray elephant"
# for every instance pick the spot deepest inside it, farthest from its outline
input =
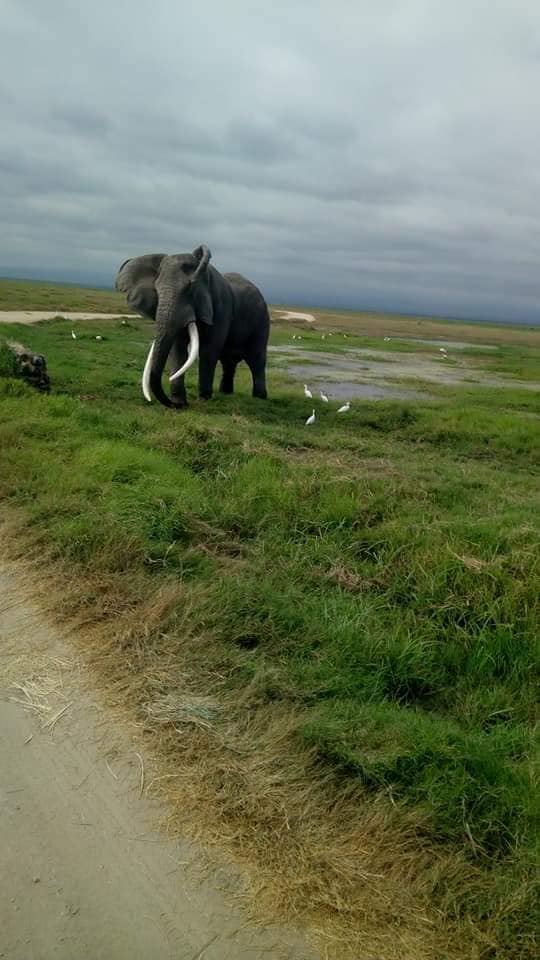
(199, 313)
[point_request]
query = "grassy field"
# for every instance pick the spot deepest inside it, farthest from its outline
(32, 295)
(332, 632)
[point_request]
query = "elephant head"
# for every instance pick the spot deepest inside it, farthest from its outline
(173, 291)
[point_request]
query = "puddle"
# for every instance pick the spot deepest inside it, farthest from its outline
(354, 373)
(451, 344)
(347, 389)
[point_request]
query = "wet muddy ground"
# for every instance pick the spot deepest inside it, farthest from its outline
(379, 374)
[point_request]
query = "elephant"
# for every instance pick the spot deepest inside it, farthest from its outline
(200, 314)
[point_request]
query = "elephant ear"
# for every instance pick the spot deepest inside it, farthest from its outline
(202, 299)
(137, 279)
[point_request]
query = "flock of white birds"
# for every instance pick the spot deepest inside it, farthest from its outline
(309, 394)
(346, 406)
(74, 336)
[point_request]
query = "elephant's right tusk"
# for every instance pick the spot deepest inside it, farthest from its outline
(193, 352)
(146, 374)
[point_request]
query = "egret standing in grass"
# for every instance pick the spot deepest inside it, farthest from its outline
(74, 335)
(307, 392)
(345, 408)
(311, 420)
(324, 398)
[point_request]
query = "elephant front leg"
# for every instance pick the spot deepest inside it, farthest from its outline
(178, 388)
(207, 369)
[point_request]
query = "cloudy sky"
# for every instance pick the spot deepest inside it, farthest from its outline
(346, 152)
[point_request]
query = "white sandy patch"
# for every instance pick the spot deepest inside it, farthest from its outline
(34, 316)
(291, 315)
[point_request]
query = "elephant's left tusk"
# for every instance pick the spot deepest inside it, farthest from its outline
(146, 374)
(193, 352)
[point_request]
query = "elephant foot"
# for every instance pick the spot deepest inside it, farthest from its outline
(179, 404)
(205, 396)
(226, 388)
(260, 394)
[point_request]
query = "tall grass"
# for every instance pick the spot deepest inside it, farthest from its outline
(372, 585)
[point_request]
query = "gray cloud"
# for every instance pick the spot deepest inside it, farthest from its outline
(355, 155)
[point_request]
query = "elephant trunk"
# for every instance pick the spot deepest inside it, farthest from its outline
(171, 319)
(166, 329)
(160, 350)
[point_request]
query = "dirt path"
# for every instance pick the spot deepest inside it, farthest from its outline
(34, 316)
(84, 873)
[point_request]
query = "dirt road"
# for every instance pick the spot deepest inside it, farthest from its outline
(84, 873)
(34, 316)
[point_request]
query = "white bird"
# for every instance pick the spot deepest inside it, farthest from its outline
(442, 350)
(323, 336)
(124, 323)
(345, 336)
(386, 339)
(345, 408)
(307, 392)
(73, 334)
(98, 337)
(294, 336)
(324, 398)
(310, 420)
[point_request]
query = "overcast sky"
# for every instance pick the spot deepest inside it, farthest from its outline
(345, 152)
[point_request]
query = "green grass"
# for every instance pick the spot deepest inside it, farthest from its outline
(33, 295)
(384, 564)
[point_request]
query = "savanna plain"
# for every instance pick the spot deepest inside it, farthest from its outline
(329, 634)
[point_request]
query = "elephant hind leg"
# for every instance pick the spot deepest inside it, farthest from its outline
(256, 361)
(229, 369)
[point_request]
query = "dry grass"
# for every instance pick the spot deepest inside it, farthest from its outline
(392, 325)
(357, 870)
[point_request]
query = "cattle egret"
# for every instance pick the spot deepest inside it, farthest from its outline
(386, 339)
(323, 336)
(324, 398)
(442, 350)
(345, 408)
(307, 392)
(310, 420)
(73, 334)
(98, 337)
(124, 323)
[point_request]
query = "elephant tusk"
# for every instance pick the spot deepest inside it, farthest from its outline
(193, 352)
(146, 374)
